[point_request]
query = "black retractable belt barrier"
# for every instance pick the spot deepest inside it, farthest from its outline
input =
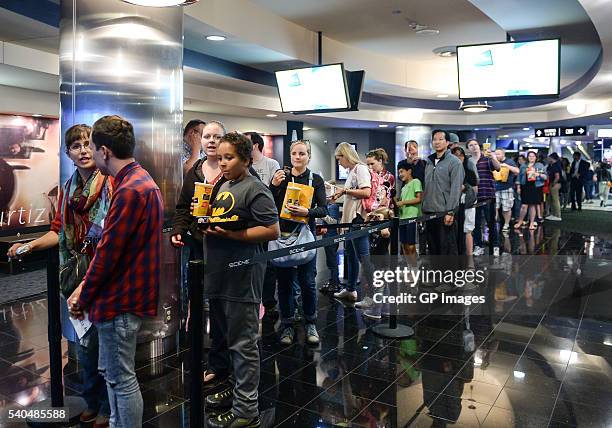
(196, 326)
(71, 406)
(393, 330)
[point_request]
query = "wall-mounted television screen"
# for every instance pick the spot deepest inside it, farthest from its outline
(509, 70)
(319, 89)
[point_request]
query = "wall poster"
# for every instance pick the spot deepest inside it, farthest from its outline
(29, 172)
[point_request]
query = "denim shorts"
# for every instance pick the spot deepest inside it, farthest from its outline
(407, 233)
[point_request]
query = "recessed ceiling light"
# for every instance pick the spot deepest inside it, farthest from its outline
(504, 136)
(399, 126)
(476, 129)
(525, 129)
(383, 125)
(215, 38)
(442, 95)
(610, 117)
(576, 108)
(271, 115)
(37, 115)
(474, 107)
(161, 3)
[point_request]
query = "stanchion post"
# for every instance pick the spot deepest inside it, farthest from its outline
(394, 254)
(54, 328)
(72, 406)
(393, 330)
(196, 295)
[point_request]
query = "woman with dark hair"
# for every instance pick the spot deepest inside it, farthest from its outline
(377, 160)
(470, 184)
(83, 203)
(531, 181)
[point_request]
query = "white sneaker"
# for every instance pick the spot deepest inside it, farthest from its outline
(478, 251)
(366, 303)
(345, 294)
(553, 218)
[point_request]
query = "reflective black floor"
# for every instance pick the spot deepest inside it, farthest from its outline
(543, 357)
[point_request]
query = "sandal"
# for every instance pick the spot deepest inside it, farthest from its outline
(533, 227)
(212, 381)
(517, 226)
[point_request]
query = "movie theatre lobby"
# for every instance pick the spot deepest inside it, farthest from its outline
(321, 213)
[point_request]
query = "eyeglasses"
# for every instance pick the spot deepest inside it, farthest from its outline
(77, 147)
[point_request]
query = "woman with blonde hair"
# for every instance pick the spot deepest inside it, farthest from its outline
(356, 189)
(304, 275)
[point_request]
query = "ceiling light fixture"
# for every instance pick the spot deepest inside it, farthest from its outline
(474, 107)
(215, 38)
(576, 108)
(442, 96)
(446, 51)
(383, 125)
(161, 3)
(423, 30)
(526, 129)
(271, 115)
(399, 126)
(504, 136)
(37, 115)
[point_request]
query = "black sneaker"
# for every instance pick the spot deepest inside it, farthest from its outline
(222, 399)
(230, 420)
(330, 287)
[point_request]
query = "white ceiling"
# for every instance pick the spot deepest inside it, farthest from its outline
(365, 24)
(372, 25)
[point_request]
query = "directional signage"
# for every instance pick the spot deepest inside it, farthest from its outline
(547, 132)
(574, 131)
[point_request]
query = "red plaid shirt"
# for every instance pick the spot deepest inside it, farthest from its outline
(124, 275)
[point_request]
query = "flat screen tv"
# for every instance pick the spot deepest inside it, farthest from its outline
(509, 70)
(317, 89)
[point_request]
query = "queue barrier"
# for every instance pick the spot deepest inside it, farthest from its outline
(199, 268)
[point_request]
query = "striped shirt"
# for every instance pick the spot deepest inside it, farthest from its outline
(124, 275)
(486, 183)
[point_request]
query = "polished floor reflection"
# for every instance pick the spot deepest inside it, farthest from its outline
(542, 357)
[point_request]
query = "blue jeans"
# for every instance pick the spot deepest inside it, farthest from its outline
(117, 352)
(94, 387)
(485, 211)
(356, 251)
(304, 276)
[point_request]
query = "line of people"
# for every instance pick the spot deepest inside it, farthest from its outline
(114, 204)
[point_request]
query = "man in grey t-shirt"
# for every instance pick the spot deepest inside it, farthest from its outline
(264, 166)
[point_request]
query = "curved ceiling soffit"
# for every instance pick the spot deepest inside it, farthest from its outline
(571, 34)
(572, 31)
(406, 102)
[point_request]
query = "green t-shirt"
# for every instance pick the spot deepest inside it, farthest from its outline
(409, 191)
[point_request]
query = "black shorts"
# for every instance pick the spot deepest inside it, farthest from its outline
(407, 233)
